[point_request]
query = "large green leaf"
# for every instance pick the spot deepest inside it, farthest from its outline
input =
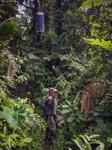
(102, 43)
(67, 110)
(70, 118)
(24, 141)
(8, 115)
(84, 142)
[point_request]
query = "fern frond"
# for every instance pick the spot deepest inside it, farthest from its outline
(105, 44)
(88, 4)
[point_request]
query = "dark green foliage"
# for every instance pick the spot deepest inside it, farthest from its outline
(75, 49)
(17, 121)
(8, 29)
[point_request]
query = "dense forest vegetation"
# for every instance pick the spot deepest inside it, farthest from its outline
(70, 48)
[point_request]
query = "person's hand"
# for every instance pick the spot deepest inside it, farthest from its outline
(50, 98)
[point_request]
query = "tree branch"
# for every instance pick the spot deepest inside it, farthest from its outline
(26, 6)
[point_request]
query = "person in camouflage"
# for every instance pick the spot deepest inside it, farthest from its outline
(50, 103)
(50, 113)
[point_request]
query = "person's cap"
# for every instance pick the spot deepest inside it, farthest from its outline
(55, 90)
(51, 89)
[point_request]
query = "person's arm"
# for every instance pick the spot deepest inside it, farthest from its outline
(55, 105)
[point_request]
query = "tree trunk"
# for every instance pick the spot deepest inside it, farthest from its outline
(59, 7)
(10, 69)
(34, 25)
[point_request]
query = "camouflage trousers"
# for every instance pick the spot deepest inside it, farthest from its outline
(51, 128)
